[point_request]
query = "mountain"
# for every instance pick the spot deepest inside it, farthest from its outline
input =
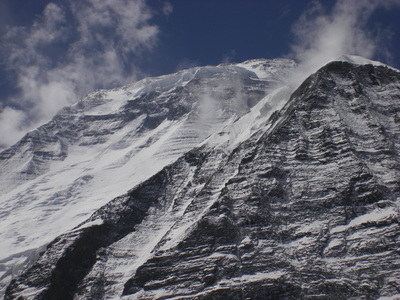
(101, 147)
(225, 184)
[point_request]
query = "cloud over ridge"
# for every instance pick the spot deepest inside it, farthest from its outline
(322, 36)
(70, 50)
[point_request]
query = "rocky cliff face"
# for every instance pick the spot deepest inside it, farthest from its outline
(306, 207)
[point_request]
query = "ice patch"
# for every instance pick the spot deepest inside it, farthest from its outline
(372, 217)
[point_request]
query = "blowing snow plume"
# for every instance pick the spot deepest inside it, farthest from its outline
(321, 37)
(68, 51)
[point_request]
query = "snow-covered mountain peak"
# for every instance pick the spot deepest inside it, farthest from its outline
(110, 141)
(359, 60)
(267, 68)
(110, 101)
(208, 183)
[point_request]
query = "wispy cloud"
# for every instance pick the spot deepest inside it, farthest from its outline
(229, 56)
(186, 63)
(70, 50)
(322, 36)
(167, 8)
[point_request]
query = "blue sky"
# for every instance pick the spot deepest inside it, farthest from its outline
(54, 52)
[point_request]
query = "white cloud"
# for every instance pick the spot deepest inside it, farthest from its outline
(70, 50)
(322, 37)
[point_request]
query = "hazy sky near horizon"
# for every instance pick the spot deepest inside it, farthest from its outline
(52, 53)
